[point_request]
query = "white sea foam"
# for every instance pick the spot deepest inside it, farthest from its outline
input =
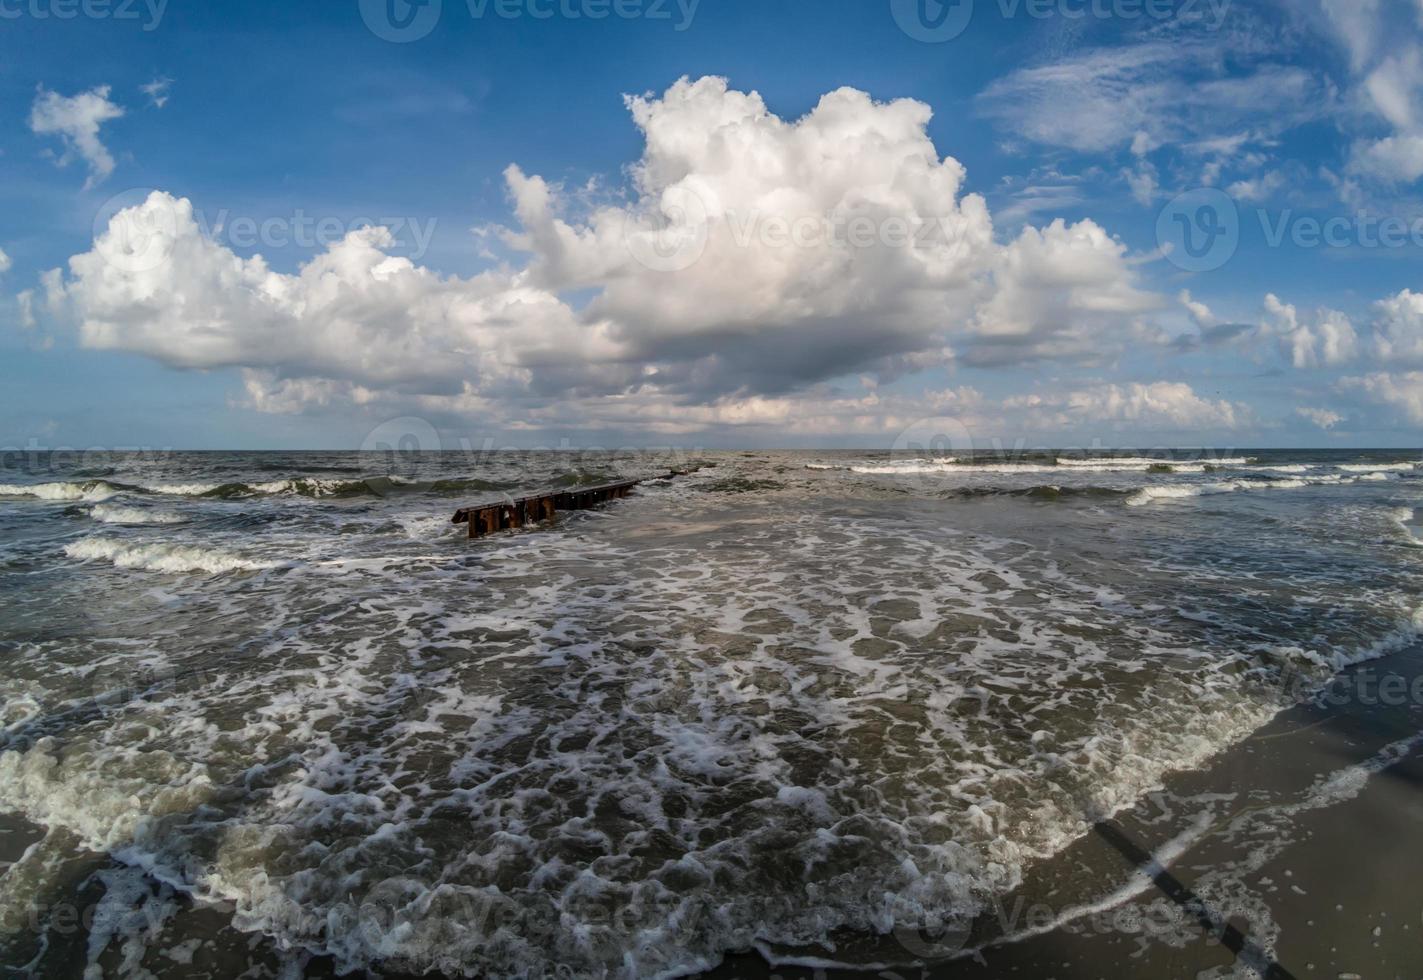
(181, 489)
(1182, 491)
(118, 514)
(970, 469)
(1179, 491)
(907, 466)
(1377, 467)
(310, 487)
(1126, 463)
(1406, 519)
(1121, 465)
(622, 751)
(160, 557)
(87, 490)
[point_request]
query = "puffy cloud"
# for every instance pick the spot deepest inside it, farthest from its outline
(1061, 291)
(1321, 417)
(1164, 405)
(156, 285)
(1328, 341)
(1402, 391)
(76, 121)
(759, 257)
(1397, 157)
(4, 261)
(1398, 329)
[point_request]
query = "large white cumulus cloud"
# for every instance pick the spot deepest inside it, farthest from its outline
(755, 257)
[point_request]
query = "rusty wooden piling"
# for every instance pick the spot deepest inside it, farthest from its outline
(507, 514)
(504, 515)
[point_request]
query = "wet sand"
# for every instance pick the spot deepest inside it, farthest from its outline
(1300, 854)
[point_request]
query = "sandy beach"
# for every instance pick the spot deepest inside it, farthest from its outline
(1291, 854)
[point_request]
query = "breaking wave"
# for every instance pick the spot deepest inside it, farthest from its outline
(160, 557)
(117, 514)
(1184, 491)
(85, 490)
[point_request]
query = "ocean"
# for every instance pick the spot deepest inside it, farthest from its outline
(273, 712)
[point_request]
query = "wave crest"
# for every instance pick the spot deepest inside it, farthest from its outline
(160, 557)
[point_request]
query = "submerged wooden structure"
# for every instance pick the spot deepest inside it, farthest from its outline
(507, 514)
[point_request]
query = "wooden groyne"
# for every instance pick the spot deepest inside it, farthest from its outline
(504, 515)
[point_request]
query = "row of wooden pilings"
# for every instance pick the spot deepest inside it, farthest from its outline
(502, 516)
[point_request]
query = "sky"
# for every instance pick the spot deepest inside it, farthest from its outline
(710, 223)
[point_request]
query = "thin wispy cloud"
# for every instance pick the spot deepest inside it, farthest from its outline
(157, 91)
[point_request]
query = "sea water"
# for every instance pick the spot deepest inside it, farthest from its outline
(277, 706)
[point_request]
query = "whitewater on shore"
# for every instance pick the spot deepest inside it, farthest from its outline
(793, 696)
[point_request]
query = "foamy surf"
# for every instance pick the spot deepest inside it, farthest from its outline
(643, 737)
(160, 557)
(1406, 518)
(1126, 463)
(1378, 467)
(1186, 491)
(85, 490)
(118, 514)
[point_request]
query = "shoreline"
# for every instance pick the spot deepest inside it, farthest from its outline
(1281, 858)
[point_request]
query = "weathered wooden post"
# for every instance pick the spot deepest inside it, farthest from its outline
(488, 518)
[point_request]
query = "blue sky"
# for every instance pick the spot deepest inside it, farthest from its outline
(1046, 160)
